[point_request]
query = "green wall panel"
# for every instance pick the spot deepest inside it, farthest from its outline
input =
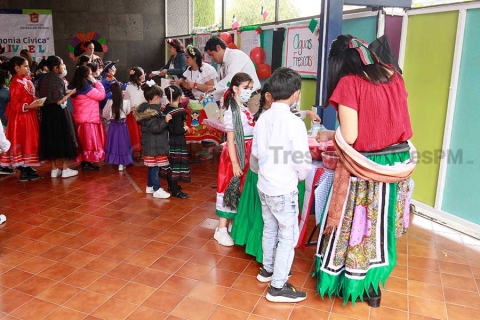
(463, 177)
(427, 72)
(363, 28)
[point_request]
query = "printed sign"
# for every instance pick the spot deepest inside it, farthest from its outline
(301, 50)
(202, 39)
(249, 40)
(27, 29)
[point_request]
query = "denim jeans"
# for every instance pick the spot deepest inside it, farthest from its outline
(280, 234)
(152, 178)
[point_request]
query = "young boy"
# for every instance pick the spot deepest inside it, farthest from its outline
(280, 144)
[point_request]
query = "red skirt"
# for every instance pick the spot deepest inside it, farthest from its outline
(225, 174)
(91, 141)
(134, 129)
(23, 133)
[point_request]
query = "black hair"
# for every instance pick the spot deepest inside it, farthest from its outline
(42, 64)
(53, 61)
(343, 60)
(80, 78)
(15, 61)
(93, 66)
(261, 102)
(213, 42)
(117, 100)
(87, 43)
(150, 92)
(283, 83)
(135, 77)
(3, 77)
(177, 44)
(28, 56)
(173, 92)
(194, 53)
(235, 82)
(83, 60)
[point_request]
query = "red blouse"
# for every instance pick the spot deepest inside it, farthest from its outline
(383, 118)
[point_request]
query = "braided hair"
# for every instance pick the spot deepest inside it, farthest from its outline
(261, 102)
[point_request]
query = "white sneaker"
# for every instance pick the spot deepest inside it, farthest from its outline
(230, 227)
(223, 238)
(149, 190)
(55, 173)
(121, 167)
(67, 173)
(162, 194)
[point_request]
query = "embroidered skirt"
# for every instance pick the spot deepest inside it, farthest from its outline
(156, 161)
(118, 148)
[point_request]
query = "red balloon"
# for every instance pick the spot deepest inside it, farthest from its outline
(232, 45)
(257, 55)
(263, 71)
(226, 37)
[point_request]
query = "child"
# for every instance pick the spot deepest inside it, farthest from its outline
(233, 164)
(178, 158)
(281, 147)
(134, 94)
(154, 137)
(4, 99)
(22, 128)
(118, 150)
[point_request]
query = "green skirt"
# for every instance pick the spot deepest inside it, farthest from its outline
(361, 252)
(247, 228)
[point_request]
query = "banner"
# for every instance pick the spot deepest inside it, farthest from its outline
(27, 29)
(301, 50)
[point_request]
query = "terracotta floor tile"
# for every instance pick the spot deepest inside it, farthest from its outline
(300, 312)
(151, 278)
(201, 232)
(35, 285)
(240, 300)
(75, 242)
(273, 310)
(395, 300)
(396, 285)
(461, 297)
(179, 285)
(86, 301)
(96, 247)
(34, 309)
(143, 313)
(361, 310)
(426, 307)
(107, 285)
(233, 264)
(158, 248)
(59, 293)
(455, 269)
(422, 263)
(315, 301)
(168, 265)
(192, 242)
(223, 313)
(64, 313)
(12, 299)
(193, 309)
(78, 259)
(114, 309)
(82, 278)
(463, 283)
(14, 258)
(212, 246)
(414, 316)
(14, 277)
(250, 284)
(36, 248)
(210, 259)
(387, 313)
(16, 242)
(101, 265)
(58, 271)
(423, 275)
(133, 242)
(180, 253)
(141, 259)
(125, 271)
(208, 292)
(163, 301)
(422, 251)
(134, 293)
(221, 277)
(425, 290)
(57, 253)
(193, 271)
(456, 312)
(118, 253)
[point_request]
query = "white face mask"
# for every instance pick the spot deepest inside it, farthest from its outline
(64, 73)
(294, 106)
(245, 95)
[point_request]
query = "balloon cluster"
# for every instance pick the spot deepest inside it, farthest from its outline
(257, 55)
(227, 38)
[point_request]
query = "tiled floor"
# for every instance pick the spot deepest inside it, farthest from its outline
(96, 247)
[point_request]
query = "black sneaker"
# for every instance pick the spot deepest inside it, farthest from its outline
(6, 170)
(27, 176)
(180, 194)
(265, 276)
(286, 294)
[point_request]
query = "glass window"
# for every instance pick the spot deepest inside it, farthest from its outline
(294, 9)
(427, 3)
(207, 13)
(248, 12)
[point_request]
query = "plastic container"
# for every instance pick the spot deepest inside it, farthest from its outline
(330, 159)
(316, 127)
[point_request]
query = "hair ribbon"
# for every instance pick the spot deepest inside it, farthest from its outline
(150, 83)
(362, 48)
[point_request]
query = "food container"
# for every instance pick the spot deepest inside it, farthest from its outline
(330, 159)
(315, 151)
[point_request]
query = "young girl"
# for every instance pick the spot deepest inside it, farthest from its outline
(134, 94)
(154, 137)
(236, 153)
(118, 150)
(4, 99)
(22, 128)
(178, 158)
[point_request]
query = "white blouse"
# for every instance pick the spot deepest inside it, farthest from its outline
(134, 94)
(246, 117)
(107, 110)
(208, 73)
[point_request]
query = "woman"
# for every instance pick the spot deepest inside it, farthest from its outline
(176, 64)
(198, 76)
(90, 131)
(56, 140)
(368, 202)
(22, 128)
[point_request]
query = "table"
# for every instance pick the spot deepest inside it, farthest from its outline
(201, 128)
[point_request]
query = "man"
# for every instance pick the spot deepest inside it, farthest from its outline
(230, 62)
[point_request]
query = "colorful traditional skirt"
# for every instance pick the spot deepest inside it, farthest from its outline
(91, 140)
(247, 228)
(225, 174)
(156, 161)
(135, 133)
(178, 159)
(118, 143)
(361, 252)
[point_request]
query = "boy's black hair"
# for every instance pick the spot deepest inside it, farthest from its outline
(283, 83)
(213, 42)
(150, 92)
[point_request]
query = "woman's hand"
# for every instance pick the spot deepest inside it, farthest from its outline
(237, 171)
(168, 117)
(163, 72)
(35, 104)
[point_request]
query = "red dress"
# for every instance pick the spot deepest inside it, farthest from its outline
(22, 128)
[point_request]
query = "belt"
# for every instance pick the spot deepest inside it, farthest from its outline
(395, 148)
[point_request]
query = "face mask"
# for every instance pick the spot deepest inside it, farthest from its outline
(245, 95)
(64, 73)
(294, 106)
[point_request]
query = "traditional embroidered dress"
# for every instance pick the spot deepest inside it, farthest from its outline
(22, 128)
(225, 170)
(118, 149)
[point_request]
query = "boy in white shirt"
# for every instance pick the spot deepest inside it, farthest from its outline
(280, 143)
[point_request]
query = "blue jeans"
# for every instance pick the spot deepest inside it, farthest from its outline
(152, 178)
(280, 234)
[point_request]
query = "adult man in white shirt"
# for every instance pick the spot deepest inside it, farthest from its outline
(230, 62)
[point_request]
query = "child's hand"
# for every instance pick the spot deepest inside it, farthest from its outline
(168, 117)
(237, 171)
(187, 129)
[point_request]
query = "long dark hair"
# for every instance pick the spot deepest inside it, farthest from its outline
(343, 60)
(53, 61)
(194, 53)
(177, 44)
(135, 77)
(80, 78)
(16, 61)
(261, 102)
(235, 82)
(173, 92)
(117, 100)
(3, 77)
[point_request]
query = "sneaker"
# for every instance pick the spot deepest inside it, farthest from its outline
(7, 170)
(149, 190)
(27, 176)
(229, 229)
(265, 276)
(286, 294)
(55, 173)
(162, 194)
(180, 194)
(121, 167)
(223, 238)
(67, 173)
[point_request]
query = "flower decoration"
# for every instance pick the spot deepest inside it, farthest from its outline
(77, 44)
(258, 30)
(132, 72)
